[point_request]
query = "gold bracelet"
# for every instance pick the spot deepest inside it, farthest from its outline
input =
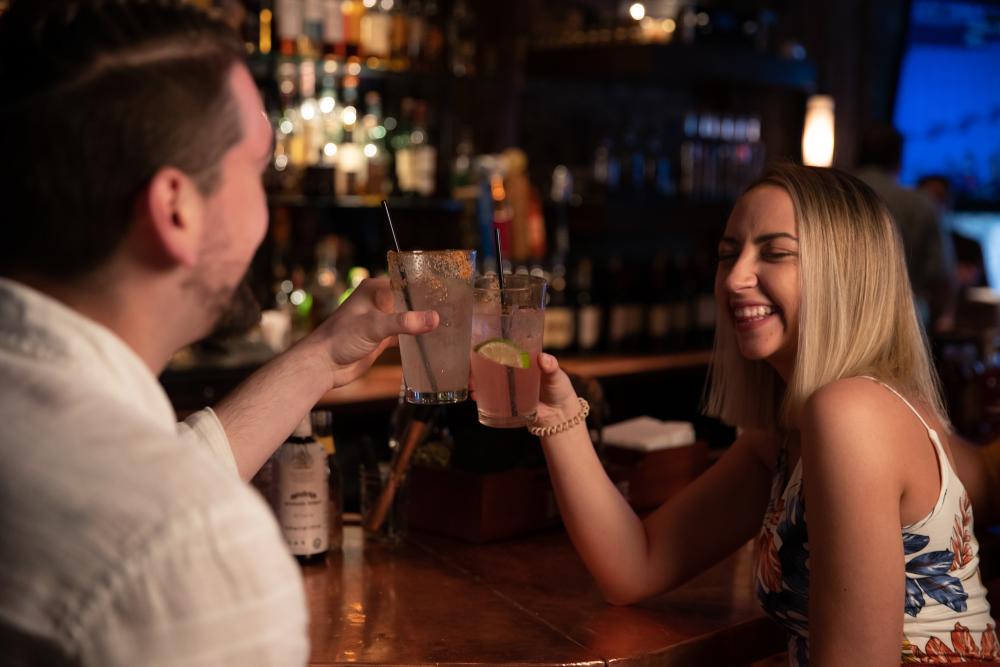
(546, 431)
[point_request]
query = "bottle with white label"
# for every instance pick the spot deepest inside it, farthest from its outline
(302, 494)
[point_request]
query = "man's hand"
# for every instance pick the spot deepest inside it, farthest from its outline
(356, 334)
(260, 413)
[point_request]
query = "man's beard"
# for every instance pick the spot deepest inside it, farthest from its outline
(240, 312)
(233, 310)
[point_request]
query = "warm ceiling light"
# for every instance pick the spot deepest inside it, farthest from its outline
(637, 10)
(817, 135)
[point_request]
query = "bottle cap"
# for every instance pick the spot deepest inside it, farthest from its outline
(304, 429)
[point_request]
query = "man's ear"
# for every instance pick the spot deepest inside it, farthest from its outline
(176, 212)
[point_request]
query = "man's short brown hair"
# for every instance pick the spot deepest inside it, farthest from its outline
(96, 97)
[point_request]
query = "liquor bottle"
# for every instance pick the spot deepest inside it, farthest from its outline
(682, 294)
(376, 28)
(322, 423)
(518, 190)
(289, 26)
(561, 193)
(352, 166)
(710, 132)
(462, 38)
(633, 163)
(659, 171)
(333, 30)
(312, 28)
(628, 301)
(600, 170)
(326, 286)
(302, 494)
(657, 305)
(589, 308)
(402, 150)
(635, 329)
(399, 33)
(560, 317)
(312, 121)
(433, 46)
(352, 11)
(379, 161)
(290, 149)
(616, 306)
(329, 110)
(704, 302)
(691, 157)
(351, 157)
(613, 177)
(416, 34)
(281, 232)
(249, 24)
(424, 153)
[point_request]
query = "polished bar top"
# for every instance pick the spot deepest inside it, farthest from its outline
(527, 601)
(381, 383)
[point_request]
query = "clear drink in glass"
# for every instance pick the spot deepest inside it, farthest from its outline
(435, 364)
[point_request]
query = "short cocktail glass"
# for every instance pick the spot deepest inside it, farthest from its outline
(435, 364)
(507, 326)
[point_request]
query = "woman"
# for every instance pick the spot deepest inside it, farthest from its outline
(820, 361)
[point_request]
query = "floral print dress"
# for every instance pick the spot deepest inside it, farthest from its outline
(946, 618)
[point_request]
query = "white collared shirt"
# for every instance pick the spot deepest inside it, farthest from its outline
(125, 539)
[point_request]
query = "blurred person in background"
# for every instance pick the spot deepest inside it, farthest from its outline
(969, 269)
(929, 255)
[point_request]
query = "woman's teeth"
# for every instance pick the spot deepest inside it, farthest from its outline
(752, 312)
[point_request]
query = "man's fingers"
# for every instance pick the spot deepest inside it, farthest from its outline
(414, 323)
(383, 297)
(418, 321)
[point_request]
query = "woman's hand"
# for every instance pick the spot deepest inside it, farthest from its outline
(557, 400)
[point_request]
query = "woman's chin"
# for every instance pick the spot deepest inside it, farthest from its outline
(754, 353)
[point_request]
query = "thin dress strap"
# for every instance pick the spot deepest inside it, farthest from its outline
(912, 409)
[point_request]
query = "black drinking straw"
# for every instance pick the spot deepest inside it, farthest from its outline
(504, 321)
(407, 299)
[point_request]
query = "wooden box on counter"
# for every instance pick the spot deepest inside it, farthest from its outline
(647, 479)
(479, 507)
(486, 507)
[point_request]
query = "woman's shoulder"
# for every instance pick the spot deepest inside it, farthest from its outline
(856, 398)
(854, 413)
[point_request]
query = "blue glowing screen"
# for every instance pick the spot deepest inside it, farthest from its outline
(948, 98)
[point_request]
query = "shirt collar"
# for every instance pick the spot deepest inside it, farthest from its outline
(38, 327)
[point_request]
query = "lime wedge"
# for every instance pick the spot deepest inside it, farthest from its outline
(504, 352)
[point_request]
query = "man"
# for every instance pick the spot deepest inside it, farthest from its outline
(132, 205)
(929, 254)
(970, 270)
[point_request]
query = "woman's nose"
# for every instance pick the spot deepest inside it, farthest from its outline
(742, 274)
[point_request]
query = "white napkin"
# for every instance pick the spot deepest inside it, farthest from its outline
(646, 434)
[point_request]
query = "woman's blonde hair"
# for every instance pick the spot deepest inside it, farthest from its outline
(856, 312)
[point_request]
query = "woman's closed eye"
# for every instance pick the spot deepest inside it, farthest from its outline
(778, 255)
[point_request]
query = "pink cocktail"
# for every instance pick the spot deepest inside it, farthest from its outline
(507, 328)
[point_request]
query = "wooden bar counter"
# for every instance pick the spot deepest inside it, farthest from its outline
(381, 383)
(527, 601)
